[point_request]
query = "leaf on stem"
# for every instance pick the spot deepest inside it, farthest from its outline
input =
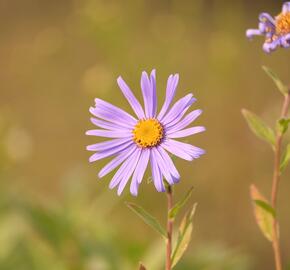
(266, 206)
(176, 208)
(147, 218)
(285, 159)
(280, 85)
(282, 125)
(259, 128)
(264, 213)
(184, 236)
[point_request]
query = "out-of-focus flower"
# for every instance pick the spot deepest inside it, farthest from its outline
(18, 144)
(136, 141)
(276, 30)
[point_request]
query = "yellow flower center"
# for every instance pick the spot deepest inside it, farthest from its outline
(283, 23)
(148, 133)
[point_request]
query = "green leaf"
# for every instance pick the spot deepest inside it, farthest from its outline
(184, 236)
(259, 128)
(147, 218)
(142, 267)
(282, 125)
(263, 212)
(266, 206)
(285, 159)
(175, 209)
(280, 85)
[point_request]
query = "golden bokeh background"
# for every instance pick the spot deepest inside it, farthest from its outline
(57, 56)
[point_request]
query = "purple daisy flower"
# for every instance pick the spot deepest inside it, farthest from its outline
(276, 30)
(147, 138)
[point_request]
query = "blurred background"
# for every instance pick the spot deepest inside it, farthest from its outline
(57, 56)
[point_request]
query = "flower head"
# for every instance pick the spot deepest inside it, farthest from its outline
(276, 30)
(148, 137)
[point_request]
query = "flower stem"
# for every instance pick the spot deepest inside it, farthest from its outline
(275, 185)
(169, 227)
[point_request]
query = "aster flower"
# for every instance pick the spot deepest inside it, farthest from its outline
(147, 138)
(276, 30)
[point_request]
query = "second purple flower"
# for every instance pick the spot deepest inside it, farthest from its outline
(275, 30)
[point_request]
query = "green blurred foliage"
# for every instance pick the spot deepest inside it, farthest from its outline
(56, 56)
(76, 236)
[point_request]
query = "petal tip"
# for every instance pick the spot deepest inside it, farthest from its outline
(202, 129)
(91, 109)
(135, 194)
(119, 192)
(111, 185)
(199, 112)
(176, 180)
(120, 80)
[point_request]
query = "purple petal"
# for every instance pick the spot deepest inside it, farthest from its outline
(109, 133)
(107, 144)
(250, 33)
(122, 171)
(147, 94)
(106, 106)
(285, 41)
(187, 120)
(286, 7)
(179, 116)
(271, 46)
(169, 163)
(110, 152)
(267, 28)
(156, 174)
(107, 125)
(111, 117)
(162, 166)
(139, 171)
(114, 163)
(186, 132)
(178, 110)
(182, 150)
(129, 171)
(176, 151)
(172, 83)
(136, 106)
(154, 95)
(263, 27)
(194, 151)
(265, 17)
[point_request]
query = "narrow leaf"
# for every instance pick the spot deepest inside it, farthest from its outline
(142, 267)
(280, 85)
(175, 209)
(259, 128)
(266, 206)
(263, 212)
(147, 218)
(184, 236)
(285, 159)
(282, 125)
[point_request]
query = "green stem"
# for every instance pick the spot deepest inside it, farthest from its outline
(169, 228)
(275, 185)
